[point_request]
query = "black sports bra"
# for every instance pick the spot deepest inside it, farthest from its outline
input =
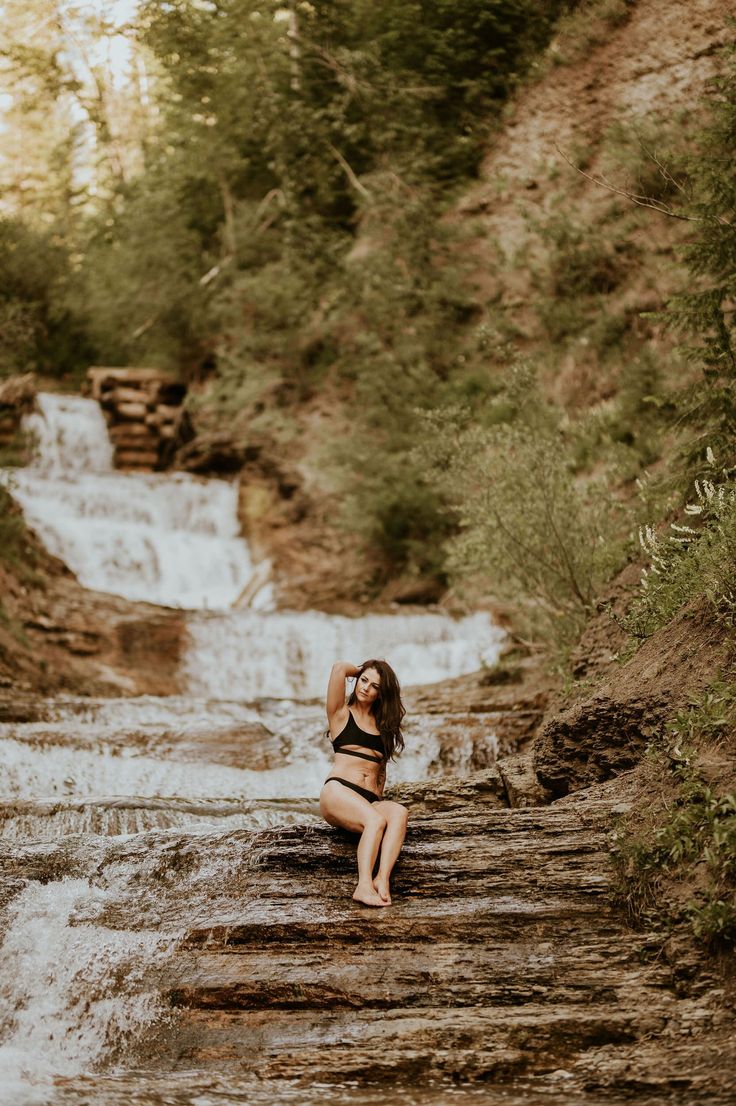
(354, 735)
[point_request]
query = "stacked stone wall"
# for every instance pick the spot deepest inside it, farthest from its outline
(143, 408)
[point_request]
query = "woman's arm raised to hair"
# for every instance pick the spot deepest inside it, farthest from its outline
(336, 687)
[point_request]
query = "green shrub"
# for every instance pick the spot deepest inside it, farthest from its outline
(647, 156)
(399, 328)
(583, 265)
(628, 433)
(38, 328)
(563, 318)
(690, 842)
(588, 25)
(693, 559)
(703, 311)
(534, 534)
(581, 261)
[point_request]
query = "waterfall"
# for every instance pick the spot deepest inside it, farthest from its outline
(172, 540)
(68, 986)
(232, 657)
(70, 436)
(119, 808)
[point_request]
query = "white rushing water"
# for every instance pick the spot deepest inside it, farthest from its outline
(172, 540)
(127, 766)
(69, 988)
(288, 655)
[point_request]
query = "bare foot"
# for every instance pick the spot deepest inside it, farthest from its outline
(382, 886)
(368, 896)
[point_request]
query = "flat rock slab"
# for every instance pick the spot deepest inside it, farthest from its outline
(501, 959)
(503, 962)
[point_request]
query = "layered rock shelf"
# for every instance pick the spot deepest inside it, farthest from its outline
(501, 958)
(503, 961)
(144, 412)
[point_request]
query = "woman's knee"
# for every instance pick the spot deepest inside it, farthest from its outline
(395, 813)
(376, 819)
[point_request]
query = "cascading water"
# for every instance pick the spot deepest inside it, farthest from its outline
(166, 539)
(104, 797)
(61, 999)
(233, 655)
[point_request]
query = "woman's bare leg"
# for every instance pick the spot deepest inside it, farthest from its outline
(342, 807)
(370, 842)
(396, 817)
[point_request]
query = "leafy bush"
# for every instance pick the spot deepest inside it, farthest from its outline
(582, 261)
(628, 433)
(38, 329)
(402, 347)
(648, 156)
(582, 266)
(704, 312)
(691, 561)
(589, 24)
(538, 537)
(691, 839)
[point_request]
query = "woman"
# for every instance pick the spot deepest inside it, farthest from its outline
(365, 732)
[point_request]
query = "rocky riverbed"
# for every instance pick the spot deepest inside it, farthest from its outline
(185, 933)
(503, 962)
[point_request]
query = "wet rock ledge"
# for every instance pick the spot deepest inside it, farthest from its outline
(502, 957)
(502, 960)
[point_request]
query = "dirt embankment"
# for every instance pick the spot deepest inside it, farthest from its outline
(656, 62)
(604, 727)
(603, 87)
(57, 636)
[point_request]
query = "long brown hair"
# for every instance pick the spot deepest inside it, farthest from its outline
(387, 709)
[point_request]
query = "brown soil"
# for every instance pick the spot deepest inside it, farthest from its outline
(657, 62)
(57, 636)
(602, 727)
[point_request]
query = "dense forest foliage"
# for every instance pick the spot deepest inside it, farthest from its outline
(267, 209)
(277, 226)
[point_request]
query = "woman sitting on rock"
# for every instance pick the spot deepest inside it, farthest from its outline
(365, 732)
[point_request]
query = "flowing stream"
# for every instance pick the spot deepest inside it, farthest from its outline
(99, 795)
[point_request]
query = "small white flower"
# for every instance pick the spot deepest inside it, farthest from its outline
(683, 529)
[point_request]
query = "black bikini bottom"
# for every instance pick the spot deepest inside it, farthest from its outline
(356, 788)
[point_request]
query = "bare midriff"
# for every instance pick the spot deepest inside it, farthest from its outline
(362, 772)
